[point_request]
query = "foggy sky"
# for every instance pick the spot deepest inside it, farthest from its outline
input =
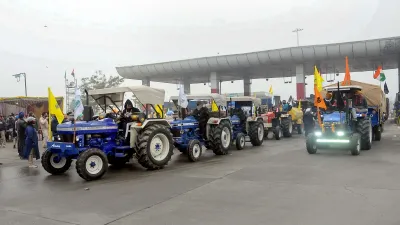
(99, 35)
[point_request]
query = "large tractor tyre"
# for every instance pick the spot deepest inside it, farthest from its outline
(54, 164)
(311, 144)
(287, 126)
(194, 150)
(155, 147)
(240, 141)
(92, 164)
(377, 133)
(256, 133)
(221, 137)
(364, 128)
(278, 133)
(355, 144)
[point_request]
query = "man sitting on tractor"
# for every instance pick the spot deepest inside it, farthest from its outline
(285, 106)
(358, 103)
(201, 115)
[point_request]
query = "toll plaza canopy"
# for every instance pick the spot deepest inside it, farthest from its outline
(363, 56)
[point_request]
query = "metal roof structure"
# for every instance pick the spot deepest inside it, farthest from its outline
(363, 56)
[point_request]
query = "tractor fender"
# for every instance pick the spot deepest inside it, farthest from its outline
(216, 121)
(150, 122)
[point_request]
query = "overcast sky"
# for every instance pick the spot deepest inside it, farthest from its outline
(99, 35)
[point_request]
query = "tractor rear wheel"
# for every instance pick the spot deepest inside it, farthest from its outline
(92, 164)
(54, 164)
(154, 146)
(364, 128)
(377, 133)
(221, 137)
(287, 126)
(256, 133)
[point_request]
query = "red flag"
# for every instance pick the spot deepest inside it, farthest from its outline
(73, 72)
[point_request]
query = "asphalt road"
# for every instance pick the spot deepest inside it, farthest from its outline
(278, 183)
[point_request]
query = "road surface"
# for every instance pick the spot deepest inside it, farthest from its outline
(278, 183)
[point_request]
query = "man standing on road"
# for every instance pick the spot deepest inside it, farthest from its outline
(3, 128)
(21, 134)
(44, 126)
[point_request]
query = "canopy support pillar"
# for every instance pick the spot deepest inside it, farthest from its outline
(246, 86)
(300, 82)
(214, 83)
(146, 81)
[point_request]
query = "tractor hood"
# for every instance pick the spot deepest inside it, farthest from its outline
(190, 120)
(92, 127)
(335, 117)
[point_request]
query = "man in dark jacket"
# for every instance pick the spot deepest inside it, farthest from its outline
(3, 128)
(21, 133)
(308, 120)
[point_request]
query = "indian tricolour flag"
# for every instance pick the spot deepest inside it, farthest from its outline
(379, 75)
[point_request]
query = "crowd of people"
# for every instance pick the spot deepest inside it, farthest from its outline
(23, 130)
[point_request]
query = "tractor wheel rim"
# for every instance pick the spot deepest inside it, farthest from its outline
(225, 137)
(159, 147)
(260, 132)
(196, 150)
(241, 141)
(57, 162)
(290, 127)
(358, 147)
(94, 164)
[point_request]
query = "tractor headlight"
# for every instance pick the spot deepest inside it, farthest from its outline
(318, 133)
(77, 138)
(340, 133)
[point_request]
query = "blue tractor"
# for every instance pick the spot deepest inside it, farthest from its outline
(247, 124)
(202, 127)
(113, 140)
(345, 122)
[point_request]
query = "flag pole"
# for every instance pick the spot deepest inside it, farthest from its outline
(48, 106)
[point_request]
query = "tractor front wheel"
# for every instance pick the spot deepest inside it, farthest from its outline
(240, 141)
(194, 150)
(54, 164)
(364, 128)
(311, 144)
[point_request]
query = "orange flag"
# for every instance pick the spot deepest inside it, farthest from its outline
(346, 80)
(377, 72)
(318, 100)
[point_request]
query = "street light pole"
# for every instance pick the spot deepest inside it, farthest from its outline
(18, 77)
(297, 30)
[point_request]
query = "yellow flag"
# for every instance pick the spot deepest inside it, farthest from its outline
(214, 107)
(299, 104)
(159, 110)
(318, 100)
(270, 90)
(318, 79)
(54, 108)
